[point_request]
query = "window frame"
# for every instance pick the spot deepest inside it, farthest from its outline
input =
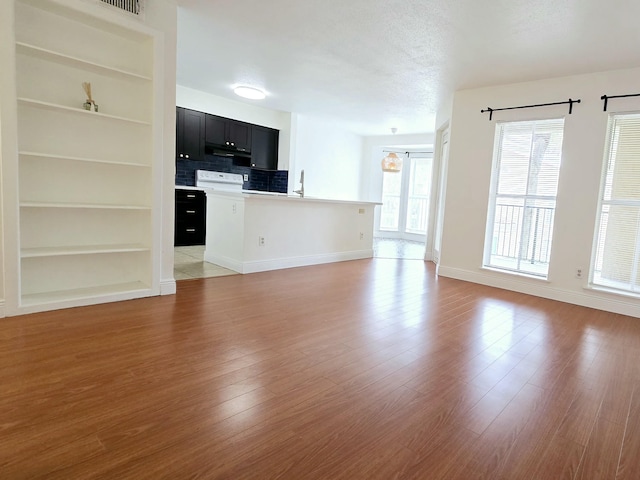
(405, 174)
(494, 197)
(606, 161)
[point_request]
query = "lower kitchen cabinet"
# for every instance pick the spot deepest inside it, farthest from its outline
(191, 209)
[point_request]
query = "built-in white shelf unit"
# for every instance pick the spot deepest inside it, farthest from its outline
(86, 189)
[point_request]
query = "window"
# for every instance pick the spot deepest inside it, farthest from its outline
(390, 211)
(616, 256)
(523, 196)
(418, 196)
(405, 197)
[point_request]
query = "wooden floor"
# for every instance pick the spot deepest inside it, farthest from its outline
(356, 370)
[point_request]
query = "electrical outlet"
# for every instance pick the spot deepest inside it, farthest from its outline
(246, 177)
(579, 273)
(261, 241)
(233, 208)
(361, 236)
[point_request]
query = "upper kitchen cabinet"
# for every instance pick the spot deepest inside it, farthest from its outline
(264, 148)
(190, 131)
(228, 133)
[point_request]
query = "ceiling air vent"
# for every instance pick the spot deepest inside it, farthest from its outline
(131, 6)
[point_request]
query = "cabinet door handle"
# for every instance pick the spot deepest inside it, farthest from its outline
(191, 195)
(191, 229)
(191, 211)
(181, 155)
(186, 156)
(227, 143)
(232, 144)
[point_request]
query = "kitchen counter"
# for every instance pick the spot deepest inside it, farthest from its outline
(278, 195)
(285, 196)
(253, 232)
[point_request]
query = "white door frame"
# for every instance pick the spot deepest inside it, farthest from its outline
(440, 165)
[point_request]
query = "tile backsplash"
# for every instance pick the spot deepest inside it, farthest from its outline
(266, 180)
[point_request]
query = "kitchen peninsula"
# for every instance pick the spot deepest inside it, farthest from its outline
(257, 232)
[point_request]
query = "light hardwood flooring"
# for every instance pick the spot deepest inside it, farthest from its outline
(371, 369)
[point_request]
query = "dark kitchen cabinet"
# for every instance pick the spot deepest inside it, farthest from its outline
(240, 135)
(228, 133)
(190, 218)
(264, 148)
(190, 130)
(215, 130)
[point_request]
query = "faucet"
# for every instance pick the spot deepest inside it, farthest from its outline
(301, 191)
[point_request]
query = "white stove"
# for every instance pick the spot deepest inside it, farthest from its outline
(221, 181)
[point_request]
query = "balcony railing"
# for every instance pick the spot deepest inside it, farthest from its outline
(522, 235)
(417, 214)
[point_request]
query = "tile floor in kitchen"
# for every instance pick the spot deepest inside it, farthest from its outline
(188, 264)
(188, 261)
(397, 248)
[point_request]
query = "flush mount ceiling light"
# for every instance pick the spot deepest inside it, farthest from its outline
(392, 162)
(249, 92)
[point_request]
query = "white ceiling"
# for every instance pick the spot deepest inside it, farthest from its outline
(377, 64)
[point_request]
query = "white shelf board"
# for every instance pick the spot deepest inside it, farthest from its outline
(82, 205)
(80, 159)
(43, 53)
(61, 108)
(81, 250)
(82, 293)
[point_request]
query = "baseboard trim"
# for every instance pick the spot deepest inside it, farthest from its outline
(2, 314)
(223, 261)
(168, 287)
(287, 262)
(597, 300)
(85, 301)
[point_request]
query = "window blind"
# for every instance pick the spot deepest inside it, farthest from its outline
(527, 157)
(616, 259)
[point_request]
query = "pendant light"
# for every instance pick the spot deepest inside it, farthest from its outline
(392, 162)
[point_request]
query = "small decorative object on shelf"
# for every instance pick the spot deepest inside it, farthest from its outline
(87, 105)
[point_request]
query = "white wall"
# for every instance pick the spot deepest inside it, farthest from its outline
(223, 107)
(162, 15)
(445, 109)
(469, 173)
(8, 136)
(330, 157)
